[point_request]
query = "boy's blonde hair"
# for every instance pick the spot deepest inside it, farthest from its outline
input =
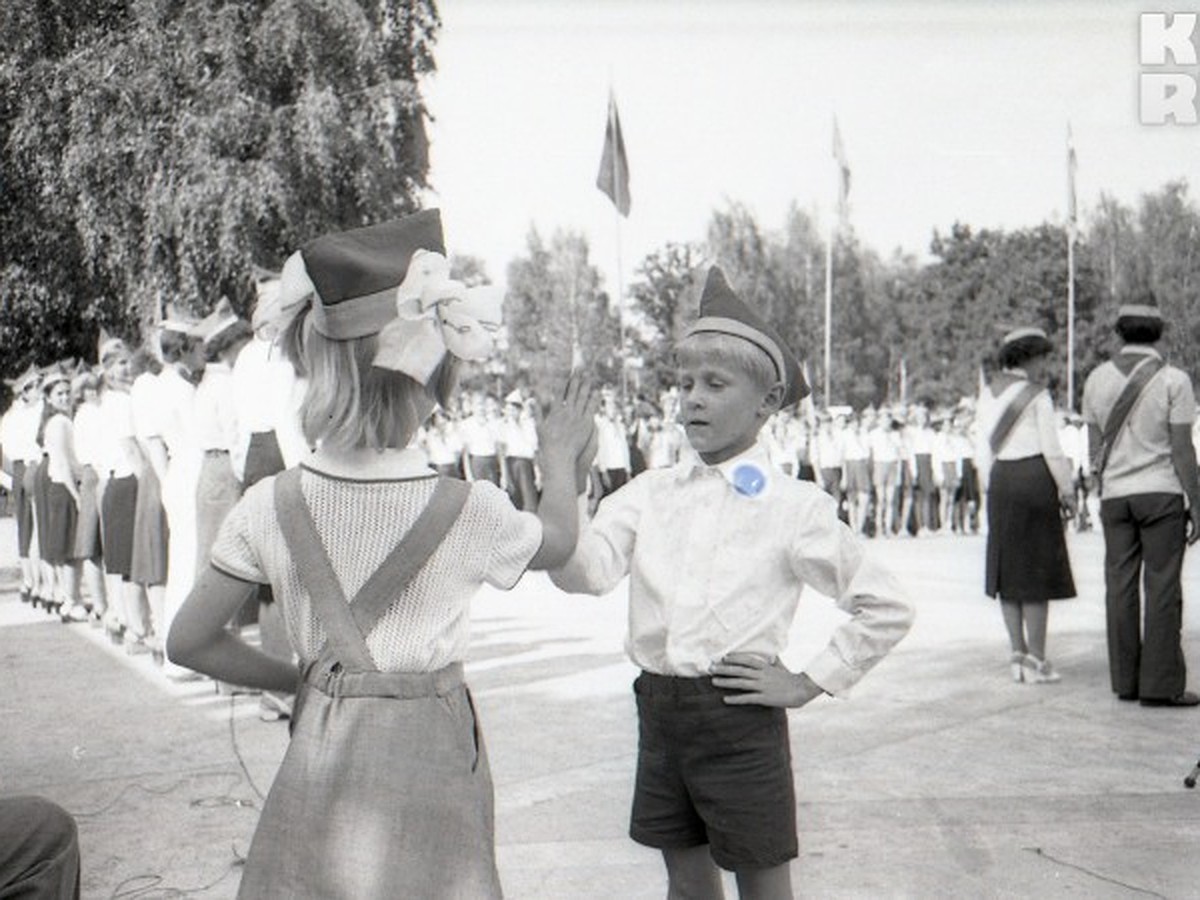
(713, 346)
(351, 404)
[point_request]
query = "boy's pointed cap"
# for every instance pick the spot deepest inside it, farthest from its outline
(723, 312)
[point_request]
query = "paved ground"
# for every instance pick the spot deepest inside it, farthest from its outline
(938, 778)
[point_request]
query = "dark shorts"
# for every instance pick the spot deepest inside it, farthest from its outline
(710, 773)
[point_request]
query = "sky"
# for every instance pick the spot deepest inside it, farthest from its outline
(948, 111)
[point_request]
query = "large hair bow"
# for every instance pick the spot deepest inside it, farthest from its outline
(435, 316)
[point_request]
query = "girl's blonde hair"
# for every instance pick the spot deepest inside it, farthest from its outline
(714, 346)
(351, 404)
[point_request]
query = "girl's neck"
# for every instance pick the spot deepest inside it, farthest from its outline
(367, 463)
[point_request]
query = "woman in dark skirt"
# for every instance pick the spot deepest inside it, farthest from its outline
(1029, 488)
(56, 530)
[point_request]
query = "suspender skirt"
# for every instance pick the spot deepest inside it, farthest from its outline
(385, 789)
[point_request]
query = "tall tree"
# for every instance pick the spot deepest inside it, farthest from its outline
(665, 293)
(159, 149)
(554, 299)
(1169, 226)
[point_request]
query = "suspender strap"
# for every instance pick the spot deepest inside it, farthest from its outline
(346, 624)
(1012, 412)
(1126, 400)
(316, 574)
(404, 562)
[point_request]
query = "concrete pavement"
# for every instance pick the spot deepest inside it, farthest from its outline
(938, 778)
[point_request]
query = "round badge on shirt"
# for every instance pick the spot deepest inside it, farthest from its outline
(749, 480)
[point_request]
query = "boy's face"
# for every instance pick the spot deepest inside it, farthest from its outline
(722, 409)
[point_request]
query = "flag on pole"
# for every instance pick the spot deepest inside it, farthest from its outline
(613, 178)
(839, 154)
(1072, 164)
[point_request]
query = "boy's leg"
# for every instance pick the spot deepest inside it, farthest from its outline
(692, 874)
(774, 883)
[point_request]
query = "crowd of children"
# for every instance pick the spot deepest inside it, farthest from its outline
(120, 468)
(177, 467)
(120, 471)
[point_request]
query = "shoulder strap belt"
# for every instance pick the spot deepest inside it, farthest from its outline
(1012, 412)
(1126, 400)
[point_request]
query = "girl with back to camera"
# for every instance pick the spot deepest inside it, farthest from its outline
(385, 789)
(1029, 490)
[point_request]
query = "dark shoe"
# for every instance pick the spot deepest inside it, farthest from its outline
(1129, 697)
(26, 596)
(1187, 698)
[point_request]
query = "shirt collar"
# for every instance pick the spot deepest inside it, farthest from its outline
(691, 465)
(1141, 350)
(388, 465)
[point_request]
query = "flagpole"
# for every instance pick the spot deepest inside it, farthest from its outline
(1071, 230)
(612, 124)
(828, 313)
(1071, 319)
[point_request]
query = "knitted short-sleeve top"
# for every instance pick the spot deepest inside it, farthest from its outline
(360, 523)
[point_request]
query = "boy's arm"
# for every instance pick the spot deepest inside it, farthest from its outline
(605, 544)
(832, 560)
(763, 682)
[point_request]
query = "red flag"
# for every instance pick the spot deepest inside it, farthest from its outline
(839, 154)
(613, 178)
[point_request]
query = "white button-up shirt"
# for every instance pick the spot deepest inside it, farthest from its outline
(18, 431)
(267, 397)
(713, 571)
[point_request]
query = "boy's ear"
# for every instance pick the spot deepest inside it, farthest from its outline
(772, 400)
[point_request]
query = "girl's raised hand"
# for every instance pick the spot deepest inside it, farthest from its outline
(570, 423)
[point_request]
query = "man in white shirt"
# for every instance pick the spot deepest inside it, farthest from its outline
(1146, 471)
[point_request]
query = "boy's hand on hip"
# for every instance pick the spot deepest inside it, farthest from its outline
(762, 682)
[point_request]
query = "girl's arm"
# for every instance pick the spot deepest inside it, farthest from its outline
(199, 639)
(58, 441)
(566, 441)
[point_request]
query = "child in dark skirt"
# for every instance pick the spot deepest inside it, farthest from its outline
(718, 549)
(385, 790)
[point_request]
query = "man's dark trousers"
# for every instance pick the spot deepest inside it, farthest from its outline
(1144, 541)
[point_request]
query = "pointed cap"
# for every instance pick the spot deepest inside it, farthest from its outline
(221, 318)
(107, 344)
(723, 312)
